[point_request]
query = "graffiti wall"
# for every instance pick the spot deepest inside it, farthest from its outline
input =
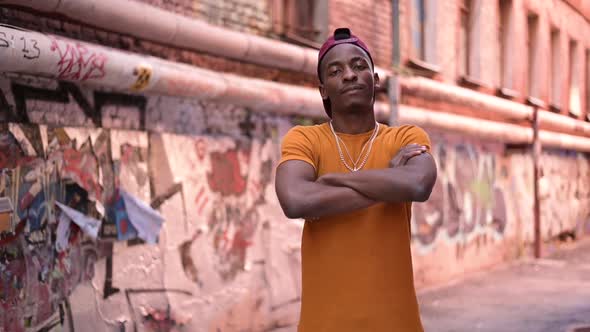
(480, 212)
(565, 204)
(225, 258)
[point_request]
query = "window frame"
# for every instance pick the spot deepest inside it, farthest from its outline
(555, 80)
(574, 96)
(423, 27)
(505, 40)
(286, 25)
(532, 43)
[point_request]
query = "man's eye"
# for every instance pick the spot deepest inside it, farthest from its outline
(334, 72)
(360, 66)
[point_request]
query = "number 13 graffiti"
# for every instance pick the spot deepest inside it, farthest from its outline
(30, 51)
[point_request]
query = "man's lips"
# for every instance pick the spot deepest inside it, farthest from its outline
(352, 89)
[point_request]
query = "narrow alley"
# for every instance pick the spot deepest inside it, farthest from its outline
(546, 295)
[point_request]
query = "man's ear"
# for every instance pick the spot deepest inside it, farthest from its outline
(376, 79)
(323, 91)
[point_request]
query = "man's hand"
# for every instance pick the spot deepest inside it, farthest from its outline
(406, 153)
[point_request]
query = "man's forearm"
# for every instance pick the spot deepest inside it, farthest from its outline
(318, 200)
(400, 184)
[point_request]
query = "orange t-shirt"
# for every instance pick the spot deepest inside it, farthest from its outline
(357, 266)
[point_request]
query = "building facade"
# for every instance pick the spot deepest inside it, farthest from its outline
(182, 104)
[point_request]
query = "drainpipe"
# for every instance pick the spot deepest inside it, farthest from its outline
(537, 206)
(537, 203)
(393, 81)
(393, 87)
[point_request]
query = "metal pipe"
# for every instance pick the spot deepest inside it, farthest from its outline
(69, 60)
(563, 123)
(393, 82)
(506, 109)
(564, 141)
(536, 200)
(396, 33)
(430, 89)
(483, 129)
(151, 23)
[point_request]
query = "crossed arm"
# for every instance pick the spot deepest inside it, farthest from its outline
(301, 195)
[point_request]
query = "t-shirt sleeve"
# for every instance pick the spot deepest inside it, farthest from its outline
(409, 134)
(297, 145)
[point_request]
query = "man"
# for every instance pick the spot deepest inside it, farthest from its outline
(353, 180)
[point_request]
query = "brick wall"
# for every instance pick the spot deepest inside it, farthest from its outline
(251, 16)
(370, 20)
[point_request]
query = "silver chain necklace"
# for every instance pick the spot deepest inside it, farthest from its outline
(354, 167)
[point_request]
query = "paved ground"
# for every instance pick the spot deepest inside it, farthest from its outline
(549, 295)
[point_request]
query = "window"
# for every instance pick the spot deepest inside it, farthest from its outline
(423, 31)
(418, 29)
(555, 71)
(532, 70)
(504, 47)
(301, 21)
(574, 77)
(466, 19)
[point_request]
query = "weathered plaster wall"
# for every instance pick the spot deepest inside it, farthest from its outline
(226, 260)
(565, 193)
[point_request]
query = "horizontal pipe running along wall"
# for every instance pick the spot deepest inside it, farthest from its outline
(72, 60)
(136, 18)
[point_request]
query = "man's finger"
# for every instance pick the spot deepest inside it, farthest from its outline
(411, 154)
(414, 150)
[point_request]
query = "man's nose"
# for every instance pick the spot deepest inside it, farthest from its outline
(349, 74)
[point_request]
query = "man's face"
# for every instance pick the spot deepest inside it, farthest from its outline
(348, 79)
